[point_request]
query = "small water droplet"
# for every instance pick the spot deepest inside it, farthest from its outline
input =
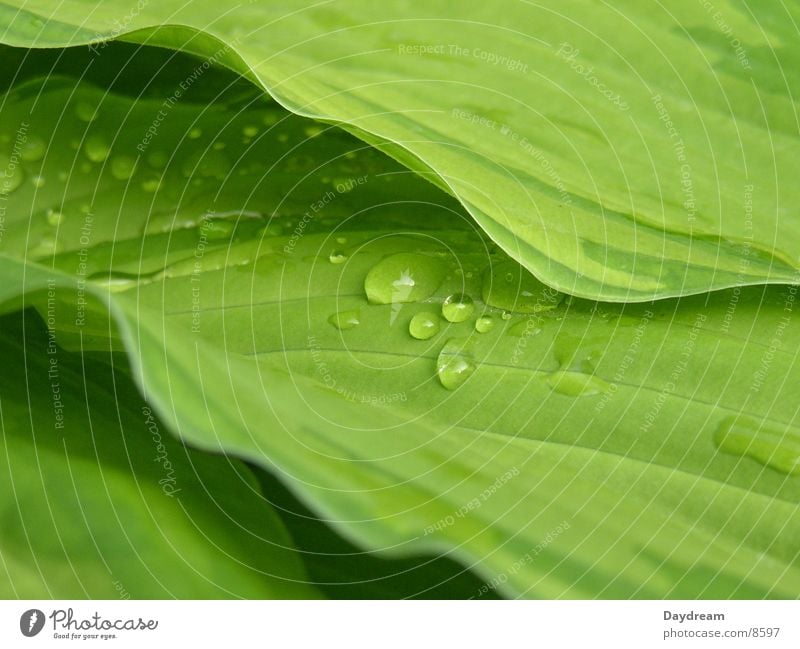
(250, 131)
(777, 447)
(457, 308)
(151, 185)
(337, 257)
(576, 384)
(218, 146)
(313, 130)
(195, 133)
(33, 149)
(404, 277)
(424, 325)
(484, 324)
(455, 363)
(54, 217)
(46, 246)
(86, 112)
(217, 228)
(341, 240)
(283, 137)
(207, 164)
(508, 286)
(38, 181)
(96, 148)
(122, 167)
(345, 320)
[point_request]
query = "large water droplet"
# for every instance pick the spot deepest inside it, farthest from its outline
(405, 277)
(775, 446)
(577, 384)
(122, 167)
(424, 325)
(345, 319)
(337, 257)
(33, 149)
(508, 286)
(96, 148)
(457, 308)
(484, 324)
(455, 363)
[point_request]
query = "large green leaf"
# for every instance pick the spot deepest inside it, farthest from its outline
(98, 500)
(582, 449)
(619, 152)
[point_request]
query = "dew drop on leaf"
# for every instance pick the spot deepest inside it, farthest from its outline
(508, 286)
(484, 324)
(455, 363)
(54, 217)
(424, 325)
(337, 257)
(250, 131)
(345, 319)
(457, 307)
(96, 148)
(404, 277)
(86, 112)
(777, 447)
(195, 133)
(122, 167)
(33, 149)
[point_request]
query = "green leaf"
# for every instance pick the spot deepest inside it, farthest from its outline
(99, 501)
(583, 449)
(619, 153)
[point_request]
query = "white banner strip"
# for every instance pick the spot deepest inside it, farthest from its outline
(399, 624)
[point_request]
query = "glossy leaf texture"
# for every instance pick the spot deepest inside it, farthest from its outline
(620, 152)
(404, 376)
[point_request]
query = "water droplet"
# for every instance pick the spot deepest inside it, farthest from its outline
(283, 137)
(116, 282)
(38, 181)
(455, 363)
(345, 320)
(424, 325)
(508, 286)
(218, 146)
(217, 228)
(775, 446)
(86, 112)
(195, 133)
(250, 131)
(54, 217)
(341, 240)
(576, 384)
(122, 167)
(313, 130)
(33, 149)
(457, 308)
(337, 257)
(96, 148)
(484, 324)
(404, 277)
(151, 185)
